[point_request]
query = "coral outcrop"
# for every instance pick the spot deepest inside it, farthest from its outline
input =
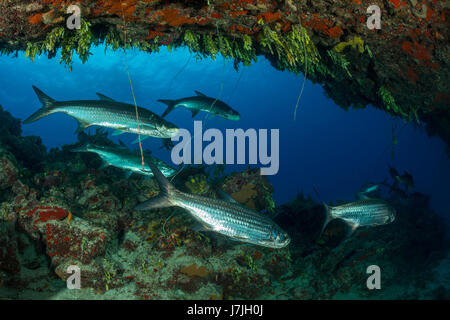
(71, 213)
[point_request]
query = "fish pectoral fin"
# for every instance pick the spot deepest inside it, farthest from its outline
(200, 227)
(117, 132)
(142, 139)
(194, 112)
(82, 125)
(200, 94)
(104, 98)
(352, 227)
(239, 238)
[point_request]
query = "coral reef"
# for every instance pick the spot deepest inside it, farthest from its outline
(197, 184)
(72, 213)
(250, 189)
(335, 266)
(29, 151)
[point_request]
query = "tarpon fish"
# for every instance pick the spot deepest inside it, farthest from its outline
(125, 159)
(369, 189)
(361, 213)
(108, 113)
(201, 102)
(228, 218)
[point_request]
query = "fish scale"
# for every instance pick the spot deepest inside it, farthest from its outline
(233, 218)
(97, 113)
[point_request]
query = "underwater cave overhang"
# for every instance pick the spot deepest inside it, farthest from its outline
(401, 68)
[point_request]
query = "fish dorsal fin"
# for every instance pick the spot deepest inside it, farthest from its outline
(142, 139)
(103, 97)
(43, 98)
(200, 94)
(225, 196)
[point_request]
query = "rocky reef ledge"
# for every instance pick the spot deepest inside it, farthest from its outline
(401, 68)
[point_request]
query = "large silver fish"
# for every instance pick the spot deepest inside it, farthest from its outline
(228, 218)
(201, 102)
(106, 112)
(125, 159)
(361, 213)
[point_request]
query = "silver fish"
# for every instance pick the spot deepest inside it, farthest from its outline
(371, 189)
(361, 213)
(125, 159)
(201, 102)
(228, 218)
(106, 112)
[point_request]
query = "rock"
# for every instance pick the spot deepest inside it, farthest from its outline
(8, 171)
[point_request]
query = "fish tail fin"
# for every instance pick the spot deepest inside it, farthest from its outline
(46, 108)
(163, 200)
(328, 218)
(170, 106)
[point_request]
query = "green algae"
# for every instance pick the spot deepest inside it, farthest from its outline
(291, 50)
(355, 43)
(197, 184)
(339, 61)
(69, 41)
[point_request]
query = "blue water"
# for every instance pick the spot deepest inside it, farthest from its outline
(326, 147)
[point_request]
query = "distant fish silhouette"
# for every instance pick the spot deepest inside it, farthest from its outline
(201, 102)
